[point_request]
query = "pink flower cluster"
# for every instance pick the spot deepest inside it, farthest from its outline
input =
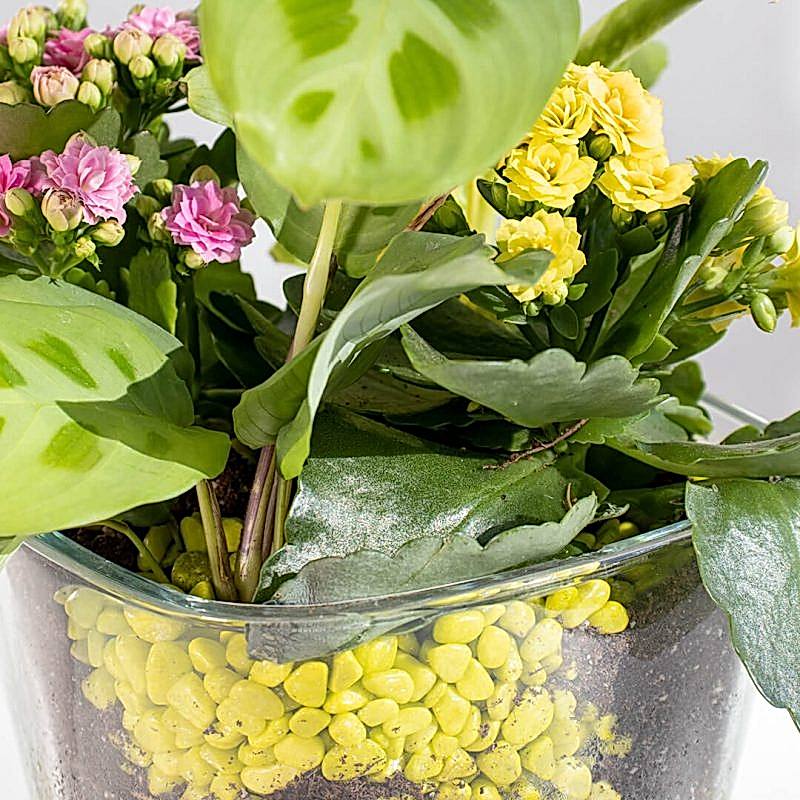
(99, 177)
(65, 49)
(27, 174)
(210, 220)
(159, 21)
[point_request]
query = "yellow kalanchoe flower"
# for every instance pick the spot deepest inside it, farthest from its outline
(566, 119)
(549, 174)
(544, 231)
(646, 184)
(786, 278)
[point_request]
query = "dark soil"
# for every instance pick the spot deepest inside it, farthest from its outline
(313, 786)
(109, 544)
(232, 489)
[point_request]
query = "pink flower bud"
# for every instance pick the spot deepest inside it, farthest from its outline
(62, 210)
(53, 85)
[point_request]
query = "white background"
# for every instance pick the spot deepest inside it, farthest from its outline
(732, 87)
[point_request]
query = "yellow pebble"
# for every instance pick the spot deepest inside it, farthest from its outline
(349, 700)
(267, 780)
(132, 655)
(309, 722)
(80, 651)
(454, 791)
(259, 700)
(511, 671)
(270, 674)
(573, 778)
(226, 787)
(273, 733)
(562, 599)
(610, 619)
(395, 684)
(346, 763)
(220, 760)
(501, 764)
(233, 533)
(419, 742)
(523, 789)
(111, 622)
(566, 736)
(530, 717)
(219, 682)
(346, 671)
(153, 627)
(83, 606)
(188, 697)
(488, 731)
(186, 734)
(450, 661)
(493, 613)
(435, 694)
(98, 689)
(499, 705)
(377, 655)
(193, 792)
(457, 766)
(423, 766)
(376, 712)
(158, 783)
(542, 641)
(539, 759)
(234, 715)
(194, 538)
(236, 653)
(476, 684)
(302, 754)
(131, 700)
(444, 745)
(494, 645)
(518, 619)
(592, 596)
(424, 678)
(483, 789)
(135, 754)
(204, 590)
(408, 643)
(75, 631)
(472, 729)
(225, 737)
(410, 720)
(347, 730)
(308, 684)
(206, 655)
(167, 662)
(151, 734)
(462, 627)
(95, 645)
(253, 757)
(452, 712)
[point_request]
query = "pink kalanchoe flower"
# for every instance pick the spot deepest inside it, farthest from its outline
(98, 176)
(210, 220)
(37, 175)
(158, 21)
(65, 49)
(12, 176)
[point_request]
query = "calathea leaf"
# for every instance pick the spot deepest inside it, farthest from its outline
(343, 504)
(747, 539)
(432, 561)
(416, 273)
(94, 419)
(384, 102)
(203, 98)
(550, 387)
(363, 232)
(621, 32)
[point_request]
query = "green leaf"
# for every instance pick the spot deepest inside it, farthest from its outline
(384, 102)
(550, 387)
(343, 505)
(363, 232)
(152, 292)
(432, 561)
(647, 63)
(94, 419)
(27, 130)
(715, 209)
(621, 32)
(747, 539)
(146, 148)
(416, 273)
(203, 98)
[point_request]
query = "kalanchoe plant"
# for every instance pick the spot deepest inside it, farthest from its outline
(489, 355)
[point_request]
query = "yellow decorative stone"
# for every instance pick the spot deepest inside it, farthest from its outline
(98, 689)
(223, 736)
(396, 684)
(542, 641)
(611, 618)
(254, 757)
(458, 765)
(236, 654)
(270, 674)
(592, 596)
(220, 760)
(494, 646)
(423, 766)
(454, 791)
(476, 684)
(190, 699)
(260, 701)
(132, 655)
(444, 745)
(300, 753)
(347, 730)
(377, 655)
(308, 684)
(83, 606)
(501, 764)
(219, 682)
(206, 655)
(529, 718)
(488, 731)
(484, 789)
(273, 733)
(346, 671)
(572, 778)
(511, 671)
(349, 700)
(538, 758)
(346, 763)
(152, 735)
(267, 780)
(166, 663)
(309, 722)
(410, 720)
(153, 627)
(452, 712)
(421, 741)
(424, 678)
(234, 715)
(450, 661)
(462, 627)
(376, 712)
(499, 705)
(226, 787)
(518, 619)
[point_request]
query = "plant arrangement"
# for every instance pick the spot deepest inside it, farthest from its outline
(473, 374)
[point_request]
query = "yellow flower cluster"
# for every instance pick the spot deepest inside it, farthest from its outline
(786, 278)
(544, 231)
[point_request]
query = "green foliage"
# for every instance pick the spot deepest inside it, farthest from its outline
(747, 539)
(550, 387)
(384, 102)
(203, 98)
(95, 417)
(370, 487)
(152, 291)
(648, 63)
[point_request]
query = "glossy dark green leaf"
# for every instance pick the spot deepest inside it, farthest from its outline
(343, 505)
(747, 539)
(146, 148)
(550, 387)
(152, 291)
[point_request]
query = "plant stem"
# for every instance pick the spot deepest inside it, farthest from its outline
(248, 561)
(221, 576)
(150, 561)
(427, 212)
(282, 497)
(541, 447)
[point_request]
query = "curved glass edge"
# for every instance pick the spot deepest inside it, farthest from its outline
(540, 579)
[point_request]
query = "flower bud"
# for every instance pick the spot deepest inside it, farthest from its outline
(157, 229)
(24, 50)
(146, 205)
(102, 73)
(753, 254)
(12, 94)
(62, 210)
(169, 53)
(91, 96)
(143, 72)
(192, 260)
(98, 46)
(130, 43)
(204, 174)
(713, 275)
(621, 218)
(19, 202)
(84, 248)
(765, 214)
(657, 222)
(108, 234)
(30, 22)
(781, 241)
(134, 163)
(162, 189)
(53, 85)
(72, 14)
(600, 148)
(763, 311)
